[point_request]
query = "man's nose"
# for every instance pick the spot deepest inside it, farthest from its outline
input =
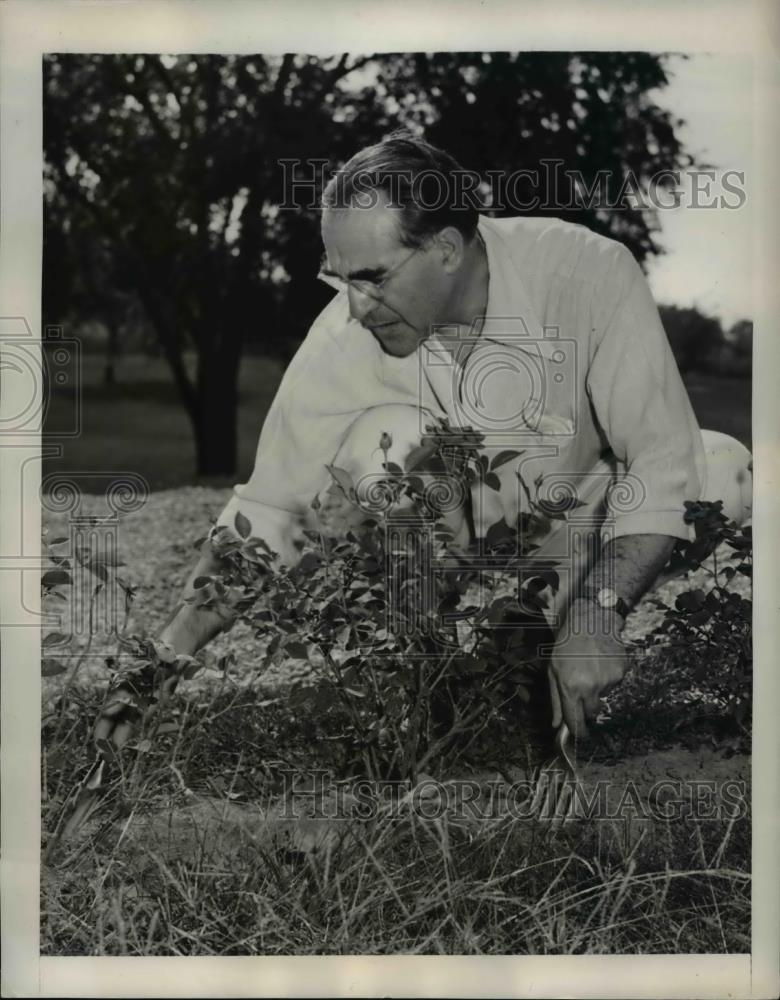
(360, 305)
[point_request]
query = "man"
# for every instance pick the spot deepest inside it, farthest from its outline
(540, 334)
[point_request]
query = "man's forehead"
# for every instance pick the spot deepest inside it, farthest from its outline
(365, 231)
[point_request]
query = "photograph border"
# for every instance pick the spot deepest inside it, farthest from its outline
(30, 28)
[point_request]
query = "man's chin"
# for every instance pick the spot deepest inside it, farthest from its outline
(397, 345)
(398, 350)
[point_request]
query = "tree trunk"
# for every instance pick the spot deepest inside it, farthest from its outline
(216, 426)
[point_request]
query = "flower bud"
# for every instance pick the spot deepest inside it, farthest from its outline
(386, 441)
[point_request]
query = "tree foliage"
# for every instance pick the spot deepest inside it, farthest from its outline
(694, 336)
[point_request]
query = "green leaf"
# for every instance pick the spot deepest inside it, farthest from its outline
(58, 540)
(343, 479)
(55, 577)
(415, 485)
(502, 458)
(309, 562)
(499, 532)
(98, 569)
(371, 566)
(548, 577)
(690, 600)
(297, 650)
(50, 667)
(56, 639)
(492, 481)
(497, 608)
(242, 525)
(419, 455)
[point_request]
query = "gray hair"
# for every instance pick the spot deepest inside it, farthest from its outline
(426, 183)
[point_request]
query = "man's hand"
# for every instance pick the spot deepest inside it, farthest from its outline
(585, 665)
(591, 659)
(187, 629)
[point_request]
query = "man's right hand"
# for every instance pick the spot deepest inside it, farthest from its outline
(187, 630)
(136, 696)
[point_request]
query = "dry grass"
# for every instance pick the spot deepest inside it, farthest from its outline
(194, 861)
(186, 862)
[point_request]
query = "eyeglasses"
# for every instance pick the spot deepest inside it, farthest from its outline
(374, 288)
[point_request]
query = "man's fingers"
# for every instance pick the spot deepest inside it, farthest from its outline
(109, 729)
(122, 734)
(574, 715)
(555, 698)
(567, 705)
(103, 728)
(592, 705)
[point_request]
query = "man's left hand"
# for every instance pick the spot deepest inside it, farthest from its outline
(584, 665)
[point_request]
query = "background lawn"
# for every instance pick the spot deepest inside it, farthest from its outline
(139, 425)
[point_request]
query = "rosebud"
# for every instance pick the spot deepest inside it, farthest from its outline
(386, 441)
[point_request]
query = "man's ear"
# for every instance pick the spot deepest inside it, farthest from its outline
(451, 247)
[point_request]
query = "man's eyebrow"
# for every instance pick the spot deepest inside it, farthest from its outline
(362, 274)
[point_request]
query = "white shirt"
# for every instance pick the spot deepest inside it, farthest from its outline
(572, 367)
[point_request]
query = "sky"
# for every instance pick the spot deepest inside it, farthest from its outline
(707, 263)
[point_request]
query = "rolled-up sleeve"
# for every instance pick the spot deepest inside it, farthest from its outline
(300, 433)
(643, 409)
(319, 396)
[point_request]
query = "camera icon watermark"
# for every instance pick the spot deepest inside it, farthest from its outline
(41, 371)
(504, 382)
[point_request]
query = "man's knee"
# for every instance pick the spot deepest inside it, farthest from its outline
(361, 452)
(399, 428)
(728, 475)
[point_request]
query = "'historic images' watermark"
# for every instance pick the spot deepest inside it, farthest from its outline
(668, 800)
(547, 188)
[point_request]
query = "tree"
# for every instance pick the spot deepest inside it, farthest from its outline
(172, 165)
(740, 341)
(556, 114)
(695, 338)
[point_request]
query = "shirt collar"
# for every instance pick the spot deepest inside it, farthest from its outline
(511, 317)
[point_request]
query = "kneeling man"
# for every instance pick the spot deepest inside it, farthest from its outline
(539, 334)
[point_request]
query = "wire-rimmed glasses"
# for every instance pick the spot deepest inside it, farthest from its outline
(374, 288)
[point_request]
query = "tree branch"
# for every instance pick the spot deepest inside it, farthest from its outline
(341, 70)
(142, 96)
(145, 289)
(288, 64)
